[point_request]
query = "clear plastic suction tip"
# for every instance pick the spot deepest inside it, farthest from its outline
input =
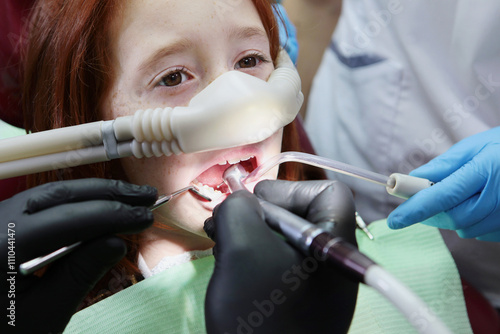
(317, 161)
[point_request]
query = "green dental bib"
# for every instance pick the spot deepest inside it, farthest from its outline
(173, 301)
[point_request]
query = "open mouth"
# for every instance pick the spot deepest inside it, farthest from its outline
(210, 182)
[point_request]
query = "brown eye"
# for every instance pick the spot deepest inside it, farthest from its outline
(172, 79)
(247, 62)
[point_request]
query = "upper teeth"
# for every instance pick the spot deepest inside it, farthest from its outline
(235, 161)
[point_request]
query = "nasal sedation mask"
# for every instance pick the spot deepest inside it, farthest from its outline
(235, 109)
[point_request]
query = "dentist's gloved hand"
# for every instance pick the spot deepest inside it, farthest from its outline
(43, 219)
(466, 196)
(262, 284)
(288, 33)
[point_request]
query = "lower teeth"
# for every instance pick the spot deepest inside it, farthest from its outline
(209, 192)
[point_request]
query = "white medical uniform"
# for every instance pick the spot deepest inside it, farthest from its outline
(401, 82)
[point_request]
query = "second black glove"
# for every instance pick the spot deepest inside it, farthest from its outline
(261, 284)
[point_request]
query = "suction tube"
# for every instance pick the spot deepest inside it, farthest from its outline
(399, 185)
(317, 161)
(312, 240)
(235, 109)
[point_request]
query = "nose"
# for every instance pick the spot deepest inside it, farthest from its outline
(218, 69)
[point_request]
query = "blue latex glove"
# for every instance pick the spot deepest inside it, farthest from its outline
(466, 196)
(288, 33)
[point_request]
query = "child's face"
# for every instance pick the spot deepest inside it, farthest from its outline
(167, 51)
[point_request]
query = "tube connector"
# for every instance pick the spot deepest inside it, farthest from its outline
(405, 186)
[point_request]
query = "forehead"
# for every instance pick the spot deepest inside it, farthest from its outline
(147, 17)
(148, 26)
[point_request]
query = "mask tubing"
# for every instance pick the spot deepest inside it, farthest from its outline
(52, 141)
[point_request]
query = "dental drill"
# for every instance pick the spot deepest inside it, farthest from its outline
(313, 240)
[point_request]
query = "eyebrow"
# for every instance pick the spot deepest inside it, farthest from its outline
(183, 44)
(176, 47)
(247, 32)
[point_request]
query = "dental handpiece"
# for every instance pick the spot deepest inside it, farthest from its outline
(314, 241)
(31, 266)
(307, 237)
(399, 185)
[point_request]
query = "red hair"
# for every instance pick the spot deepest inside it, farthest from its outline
(68, 72)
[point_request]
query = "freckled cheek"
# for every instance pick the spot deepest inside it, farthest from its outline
(116, 106)
(128, 104)
(123, 102)
(165, 173)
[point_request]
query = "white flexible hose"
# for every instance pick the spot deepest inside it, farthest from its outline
(420, 316)
(52, 141)
(53, 161)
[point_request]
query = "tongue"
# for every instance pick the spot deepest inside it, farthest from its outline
(213, 176)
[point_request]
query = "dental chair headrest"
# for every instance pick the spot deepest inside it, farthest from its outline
(13, 15)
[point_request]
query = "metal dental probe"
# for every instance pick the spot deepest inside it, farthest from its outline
(33, 265)
(362, 225)
(165, 198)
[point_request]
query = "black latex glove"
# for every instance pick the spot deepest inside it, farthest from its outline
(43, 219)
(261, 284)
